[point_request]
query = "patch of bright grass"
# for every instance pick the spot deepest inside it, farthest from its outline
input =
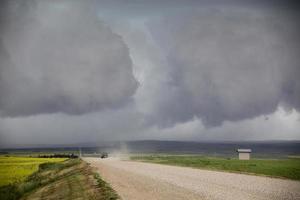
(70, 179)
(284, 168)
(106, 191)
(17, 169)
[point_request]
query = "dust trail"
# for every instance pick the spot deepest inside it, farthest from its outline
(123, 153)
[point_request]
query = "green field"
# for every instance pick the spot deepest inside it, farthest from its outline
(72, 179)
(17, 169)
(284, 168)
(51, 178)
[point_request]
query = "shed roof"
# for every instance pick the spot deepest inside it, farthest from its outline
(244, 150)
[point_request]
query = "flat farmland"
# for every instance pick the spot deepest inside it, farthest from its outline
(17, 169)
(283, 168)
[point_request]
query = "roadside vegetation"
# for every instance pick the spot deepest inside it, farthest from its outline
(282, 168)
(17, 169)
(68, 179)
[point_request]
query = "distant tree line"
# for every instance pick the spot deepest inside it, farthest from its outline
(58, 156)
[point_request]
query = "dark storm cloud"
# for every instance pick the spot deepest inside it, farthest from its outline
(57, 56)
(232, 66)
(228, 64)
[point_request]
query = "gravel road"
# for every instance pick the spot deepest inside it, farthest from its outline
(146, 181)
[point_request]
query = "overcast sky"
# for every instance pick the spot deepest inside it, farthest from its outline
(89, 71)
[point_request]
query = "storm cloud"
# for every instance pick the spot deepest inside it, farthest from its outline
(100, 70)
(59, 57)
(229, 64)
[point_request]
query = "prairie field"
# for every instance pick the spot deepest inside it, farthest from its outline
(17, 169)
(284, 168)
(50, 178)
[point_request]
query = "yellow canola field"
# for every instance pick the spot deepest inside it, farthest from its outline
(17, 169)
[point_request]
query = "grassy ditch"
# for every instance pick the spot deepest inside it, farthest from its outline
(106, 191)
(71, 179)
(283, 168)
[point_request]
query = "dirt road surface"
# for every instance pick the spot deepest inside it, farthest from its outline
(146, 181)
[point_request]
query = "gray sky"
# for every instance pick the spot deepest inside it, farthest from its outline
(127, 70)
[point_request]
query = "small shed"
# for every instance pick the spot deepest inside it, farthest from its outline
(244, 154)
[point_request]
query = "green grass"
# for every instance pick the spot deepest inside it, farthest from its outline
(106, 191)
(27, 182)
(70, 179)
(284, 168)
(17, 169)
